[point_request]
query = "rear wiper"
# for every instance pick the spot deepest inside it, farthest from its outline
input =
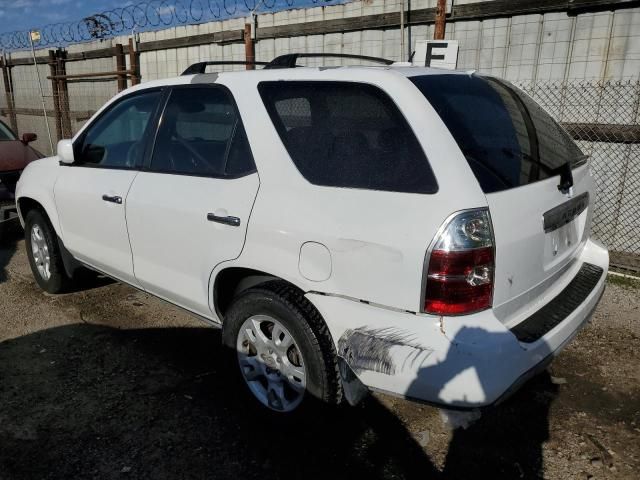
(566, 178)
(566, 173)
(564, 170)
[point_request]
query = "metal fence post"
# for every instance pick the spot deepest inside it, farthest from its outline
(401, 29)
(249, 48)
(121, 66)
(63, 89)
(56, 94)
(133, 62)
(8, 91)
(44, 105)
(441, 18)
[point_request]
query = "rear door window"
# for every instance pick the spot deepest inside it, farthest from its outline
(347, 134)
(201, 134)
(507, 139)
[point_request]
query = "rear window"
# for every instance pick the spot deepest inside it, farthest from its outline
(346, 134)
(507, 139)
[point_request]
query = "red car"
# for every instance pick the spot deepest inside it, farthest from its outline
(15, 154)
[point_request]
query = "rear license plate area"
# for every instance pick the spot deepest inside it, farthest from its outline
(566, 213)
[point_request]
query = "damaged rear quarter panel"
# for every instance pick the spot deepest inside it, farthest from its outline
(454, 361)
(385, 350)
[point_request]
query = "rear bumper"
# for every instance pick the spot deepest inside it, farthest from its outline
(460, 362)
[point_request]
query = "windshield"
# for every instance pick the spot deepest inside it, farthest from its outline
(508, 139)
(6, 133)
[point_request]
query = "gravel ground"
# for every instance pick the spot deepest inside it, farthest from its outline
(111, 383)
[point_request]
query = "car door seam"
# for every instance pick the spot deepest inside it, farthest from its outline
(126, 224)
(244, 242)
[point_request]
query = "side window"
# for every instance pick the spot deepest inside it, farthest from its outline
(116, 138)
(6, 133)
(347, 134)
(201, 134)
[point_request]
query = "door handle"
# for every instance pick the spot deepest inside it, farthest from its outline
(112, 199)
(228, 220)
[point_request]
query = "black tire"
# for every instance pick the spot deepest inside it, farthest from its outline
(58, 280)
(287, 304)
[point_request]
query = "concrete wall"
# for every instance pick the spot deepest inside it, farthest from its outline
(552, 46)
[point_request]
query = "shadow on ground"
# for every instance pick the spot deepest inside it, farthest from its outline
(10, 234)
(507, 440)
(85, 401)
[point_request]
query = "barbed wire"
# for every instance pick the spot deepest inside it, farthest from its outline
(143, 16)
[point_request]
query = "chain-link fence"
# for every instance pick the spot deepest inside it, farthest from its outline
(603, 117)
(72, 91)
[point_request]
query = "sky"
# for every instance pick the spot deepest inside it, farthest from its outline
(16, 15)
(25, 14)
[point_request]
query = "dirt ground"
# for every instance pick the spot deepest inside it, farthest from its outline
(111, 383)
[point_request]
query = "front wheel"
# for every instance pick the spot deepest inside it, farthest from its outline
(282, 348)
(44, 253)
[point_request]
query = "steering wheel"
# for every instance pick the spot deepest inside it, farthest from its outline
(196, 159)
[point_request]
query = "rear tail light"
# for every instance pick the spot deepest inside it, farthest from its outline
(461, 266)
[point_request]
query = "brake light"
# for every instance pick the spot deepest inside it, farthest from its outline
(461, 266)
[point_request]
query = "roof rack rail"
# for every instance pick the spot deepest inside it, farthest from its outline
(289, 60)
(200, 67)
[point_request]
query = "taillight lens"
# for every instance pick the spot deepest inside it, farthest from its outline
(461, 266)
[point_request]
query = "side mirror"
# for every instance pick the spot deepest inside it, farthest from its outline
(29, 137)
(65, 152)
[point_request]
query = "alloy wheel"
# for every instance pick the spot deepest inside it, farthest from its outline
(40, 251)
(271, 363)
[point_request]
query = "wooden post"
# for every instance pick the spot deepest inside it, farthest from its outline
(56, 95)
(8, 91)
(249, 48)
(441, 18)
(133, 63)
(63, 91)
(121, 66)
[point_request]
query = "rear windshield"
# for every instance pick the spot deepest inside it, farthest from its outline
(508, 140)
(347, 134)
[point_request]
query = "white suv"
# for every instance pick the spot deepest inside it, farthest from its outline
(420, 232)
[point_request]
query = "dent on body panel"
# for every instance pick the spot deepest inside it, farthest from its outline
(351, 246)
(384, 350)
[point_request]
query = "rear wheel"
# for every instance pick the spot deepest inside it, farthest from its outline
(44, 253)
(282, 348)
(271, 363)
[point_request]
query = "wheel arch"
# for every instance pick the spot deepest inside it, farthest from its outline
(230, 281)
(26, 203)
